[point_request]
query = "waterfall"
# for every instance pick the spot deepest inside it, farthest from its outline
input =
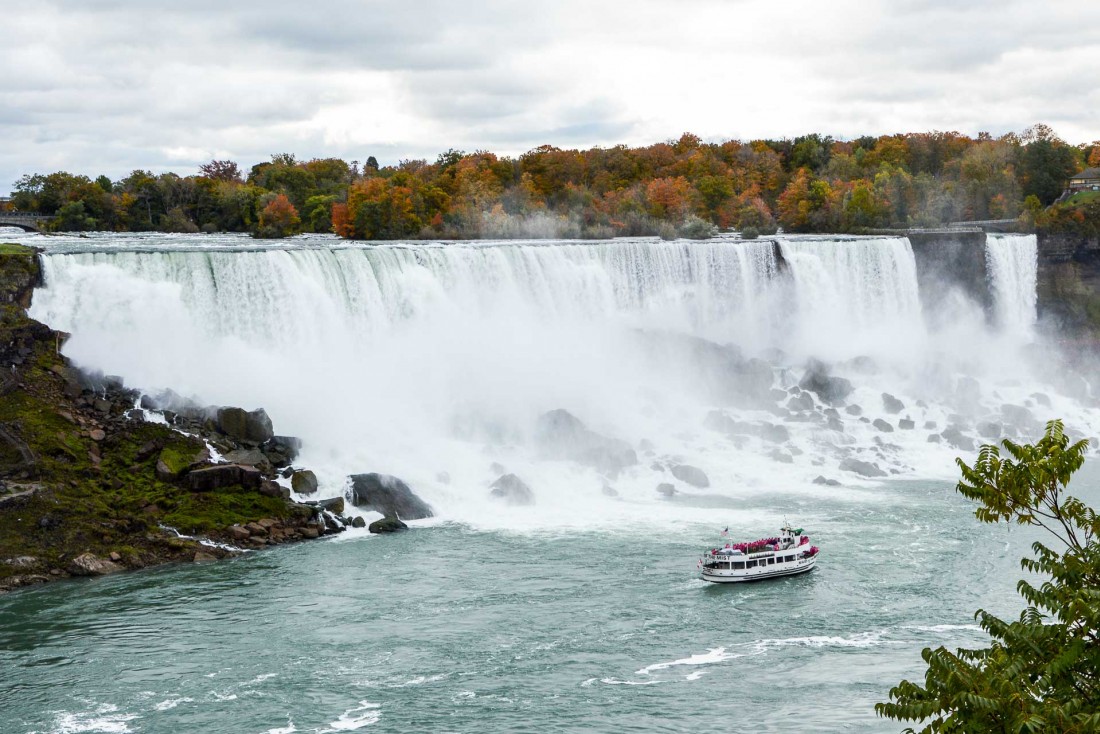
(434, 360)
(1012, 263)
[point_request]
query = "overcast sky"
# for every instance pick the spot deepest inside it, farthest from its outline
(106, 86)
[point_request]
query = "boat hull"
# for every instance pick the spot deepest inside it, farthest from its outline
(723, 576)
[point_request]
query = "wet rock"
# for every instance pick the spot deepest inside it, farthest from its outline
(281, 450)
(930, 425)
(204, 557)
(803, 401)
(773, 433)
(214, 477)
(1041, 399)
(989, 430)
(692, 475)
(906, 424)
(832, 390)
(666, 489)
(303, 482)
(271, 488)
(863, 468)
(826, 482)
(335, 505)
(358, 522)
(238, 533)
(853, 409)
(253, 426)
(513, 490)
(935, 438)
(387, 495)
(249, 457)
(955, 438)
(891, 404)
(561, 435)
(88, 564)
(882, 425)
(387, 525)
(97, 434)
(1020, 417)
(835, 424)
(781, 456)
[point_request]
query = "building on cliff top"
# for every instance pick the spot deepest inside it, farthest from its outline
(1086, 180)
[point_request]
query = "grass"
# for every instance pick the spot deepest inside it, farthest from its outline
(1081, 198)
(10, 248)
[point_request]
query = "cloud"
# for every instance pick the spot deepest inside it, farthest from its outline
(113, 85)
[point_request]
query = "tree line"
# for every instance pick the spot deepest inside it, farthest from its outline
(684, 187)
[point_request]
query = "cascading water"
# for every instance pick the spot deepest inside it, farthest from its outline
(1012, 264)
(434, 362)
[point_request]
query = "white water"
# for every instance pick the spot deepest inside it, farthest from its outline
(1011, 261)
(421, 361)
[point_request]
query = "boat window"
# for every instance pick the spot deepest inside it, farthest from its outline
(752, 564)
(771, 561)
(738, 565)
(726, 564)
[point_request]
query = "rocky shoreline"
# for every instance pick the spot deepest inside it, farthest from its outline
(89, 485)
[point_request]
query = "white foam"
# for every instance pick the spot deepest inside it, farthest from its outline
(171, 703)
(104, 719)
(710, 657)
(365, 714)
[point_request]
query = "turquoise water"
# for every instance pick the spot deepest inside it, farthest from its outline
(451, 629)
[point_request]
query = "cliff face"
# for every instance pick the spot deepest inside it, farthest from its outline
(87, 486)
(951, 260)
(1069, 285)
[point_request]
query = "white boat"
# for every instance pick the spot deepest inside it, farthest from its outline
(767, 558)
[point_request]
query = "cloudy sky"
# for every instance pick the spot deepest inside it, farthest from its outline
(106, 86)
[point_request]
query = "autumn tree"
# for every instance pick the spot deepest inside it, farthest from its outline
(278, 218)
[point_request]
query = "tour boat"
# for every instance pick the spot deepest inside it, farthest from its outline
(767, 558)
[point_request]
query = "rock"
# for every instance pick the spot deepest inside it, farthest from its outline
(692, 475)
(204, 557)
(271, 488)
(989, 430)
(863, 468)
(88, 564)
(827, 482)
(666, 489)
(906, 424)
(251, 477)
(236, 532)
(1020, 417)
(249, 457)
(930, 425)
(781, 456)
(891, 404)
(256, 529)
(853, 410)
(335, 505)
(953, 436)
(254, 426)
(358, 522)
(832, 390)
(802, 401)
(512, 490)
(935, 438)
(281, 450)
(561, 435)
(774, 433)
(310, 533)
(387, 525)
(304, 482)
(882, 425)
(97, 434)
(1041, 399)
(214, 477)
(387, 495)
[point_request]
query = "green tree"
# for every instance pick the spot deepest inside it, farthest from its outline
(1040, 673)
(1045, 165)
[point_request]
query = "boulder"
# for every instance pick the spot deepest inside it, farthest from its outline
(827, 482)
(358, 522)
(802, 401)
(891, 404)
(388, 495)
(204, 557)
(882, 425)
(692, 475)
(863, 468)
(252, 426)
(561, 435)
(271, 488)
(774, 433)
(832, 390)
(781, 456)
(906, 424)
(935, 438)
(387, 525)
(281, 450)
(303, 482)
(955, 437)
(88, 564)
(209, 478)
(335, 505)
(666, 489)
(853, 409)
(989, 430)
(513, 490)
